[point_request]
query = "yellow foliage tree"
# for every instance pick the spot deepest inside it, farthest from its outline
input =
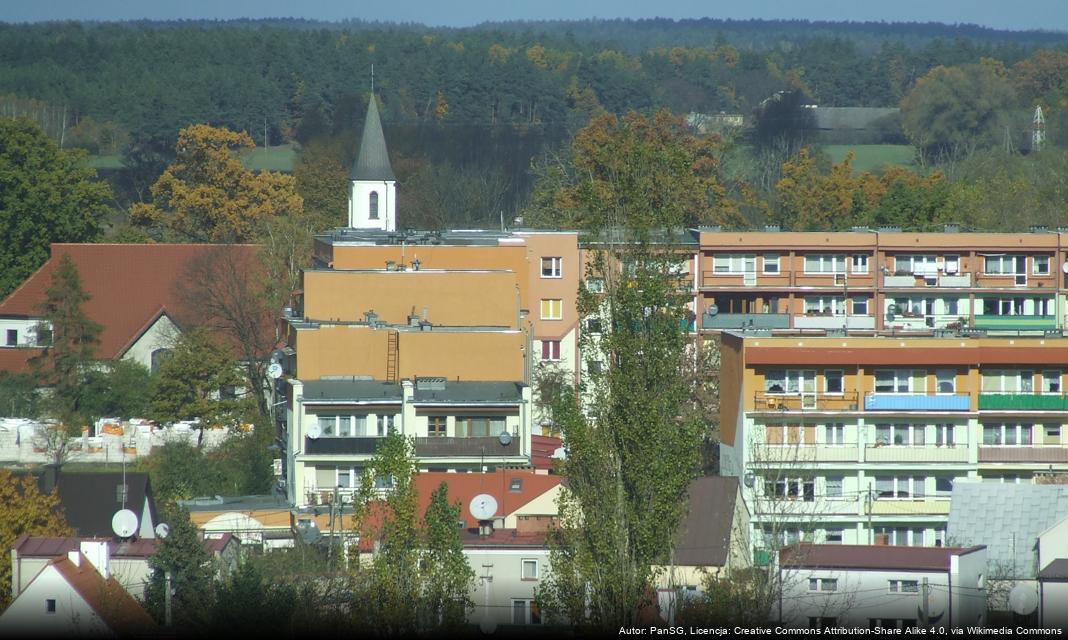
(24, 509)
(207, 195)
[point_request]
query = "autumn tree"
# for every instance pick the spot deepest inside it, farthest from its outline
(199, 381)
(322, 181)
(812, 201)
(47, 195)
(68, 357)
(625, 169)
(952, 111)
(632, 445)
(207, 195)
(417, 580)
(25, 510)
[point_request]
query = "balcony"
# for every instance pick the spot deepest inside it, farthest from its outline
(959, 281)
(1048, 454)
(834, 322)
(806, 402)
(776, 454)
(365, 445)
(910, 507)
(1022, 402)
(916, 402)
(889, 453)
(746, 320)
(1015, 323)
(465, 447)
(899, 281)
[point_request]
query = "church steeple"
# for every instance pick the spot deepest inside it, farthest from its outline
(372, 199)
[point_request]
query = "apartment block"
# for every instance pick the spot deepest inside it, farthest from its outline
(859, 440)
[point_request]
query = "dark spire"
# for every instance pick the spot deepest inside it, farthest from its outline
(372, 163)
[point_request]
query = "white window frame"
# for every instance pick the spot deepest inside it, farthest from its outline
(901, 380)
(943, 492)
(528, 605)
(820, 304)
(1036, 262)
(595, 285)
(824, 263)
(555, 264)
(834, 433)
(827, 378)
(859, 263)
(916, 264)
(731, 263)
(796, 378)
(772, 260)
(1007, 381)
(1009, 434)
(1051, 382)
(524, 563)
(1002, 264)
(861, 305)
(823, 585)
(943, 376)
(902, 487)
(944, 435)
(558, 307)
(951, 264)
(840, 483)
(911, 435)
(834, 536)
(554, 350)
(904, 586)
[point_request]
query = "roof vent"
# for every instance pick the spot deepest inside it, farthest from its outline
(772, 228)
(413, 318)
(436, 383)
(890, 229)
(371, 318)
(860, 229)
(391, 265)
(1039, 228)
(951, 227)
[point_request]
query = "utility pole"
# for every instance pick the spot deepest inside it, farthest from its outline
(167, 599)
(927, 602)
(868, 501)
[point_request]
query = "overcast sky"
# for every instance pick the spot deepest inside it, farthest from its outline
(1003, 14)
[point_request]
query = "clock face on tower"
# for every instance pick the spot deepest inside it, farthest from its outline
(483, 507)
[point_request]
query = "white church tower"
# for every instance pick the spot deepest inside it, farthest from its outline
(373, 197)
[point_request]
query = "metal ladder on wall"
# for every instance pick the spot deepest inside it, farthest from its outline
(392, 355)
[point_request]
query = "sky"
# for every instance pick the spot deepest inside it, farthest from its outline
(1000, 14)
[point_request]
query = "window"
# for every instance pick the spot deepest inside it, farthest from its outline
(790, 381)
(373, 202)
(384, 482)
(1041, 265)
(834, 433)
(945, 380)
(385, 425)
(832, 381)
(791, 489)
(516, 485)
(903, 487)
(833, 486)
(50, 605)
(791, 434)
(908, 435)
(822, 584)
(550, 349)
(593, 325)
(825, 263)
(733, 263)
(337, 426)
(1051, 382)
(479, 426)
(595, 285)
(944, 435)
(833, 536)
(1004, 264)
(159, 356)
(860, 306)
(952, 263)
(435, 426)
(904, 586)
(12, 337)
(530, 569)
(551, 267)
(899, 381)
(943, 486)
(525, 612)
(1053, 431)
(1008, 381)
(344, 477)
(771, 263)
(860, 263)
(1007, 434)
(595, 367)
(552, 309)
(940, 537)
(915, 264)
(826, 305)
(952, 306)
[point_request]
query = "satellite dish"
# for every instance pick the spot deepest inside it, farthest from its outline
(315, 431)
(505, 438)
(163, 530)
(1064, 267)
(1023, 599)
(124, 523)
(275, 370)
(483, 507)
(712, 310)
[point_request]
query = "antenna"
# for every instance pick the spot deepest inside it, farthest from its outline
(1038, 129)
(372, 79)
(124, 523)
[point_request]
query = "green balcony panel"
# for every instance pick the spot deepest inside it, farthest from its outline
(1015, 323)
(1021, 402)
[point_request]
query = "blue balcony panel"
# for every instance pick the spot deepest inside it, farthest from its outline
(916, 402)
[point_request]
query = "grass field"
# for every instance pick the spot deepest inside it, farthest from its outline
(872, 156)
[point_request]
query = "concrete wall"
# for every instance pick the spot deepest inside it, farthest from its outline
(499, 582)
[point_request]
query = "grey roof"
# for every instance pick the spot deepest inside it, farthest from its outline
(364, 390)
(372, 163)
(1007, 518)
(90, 499)
(704, 536)
(236, 503)
(850, 117)
(473, 393)
(1056, 570)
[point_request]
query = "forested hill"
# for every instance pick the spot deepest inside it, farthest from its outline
(296, 79)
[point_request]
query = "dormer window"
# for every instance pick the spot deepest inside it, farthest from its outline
(373, 205)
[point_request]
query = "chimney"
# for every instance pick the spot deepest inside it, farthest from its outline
(98, 554)
(75, 557)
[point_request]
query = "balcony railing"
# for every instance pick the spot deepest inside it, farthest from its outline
(923, 453)
(916, 402)
(1022, 402)
(366, 445)
(806, 402)
(1015, 323)
(927, 505)
(465, 447)
(775, 454)
(817, 321)
(746, 320)
(1024, 454)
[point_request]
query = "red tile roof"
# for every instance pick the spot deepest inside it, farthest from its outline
(42, 547)
(843, 556)
(16, 360)
(130, 285)
(115, 606)
(502, 539)
(542, 449)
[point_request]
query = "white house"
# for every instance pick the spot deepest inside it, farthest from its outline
(831, 585)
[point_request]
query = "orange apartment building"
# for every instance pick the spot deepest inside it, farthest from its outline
(858, 440)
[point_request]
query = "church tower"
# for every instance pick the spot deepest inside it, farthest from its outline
(373, 196)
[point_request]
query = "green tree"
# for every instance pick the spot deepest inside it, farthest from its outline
(952, 111)
(122, 388)
(634, 446)
(247, 604)
(196, 382)
(18, 395)
(207, 195)
(322, 180)
(47, 195)
(181, 554)
(24, 509)
(417, 580)
(65, 362)
(180, 471)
